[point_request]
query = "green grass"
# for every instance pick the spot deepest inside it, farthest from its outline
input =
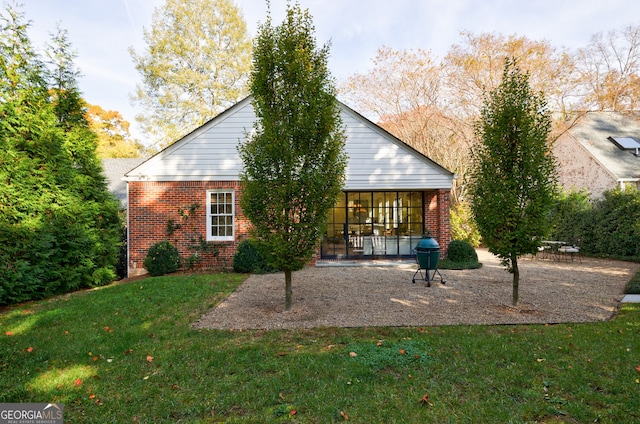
(126, 353)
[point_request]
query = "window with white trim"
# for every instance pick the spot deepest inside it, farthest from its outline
(220, 215)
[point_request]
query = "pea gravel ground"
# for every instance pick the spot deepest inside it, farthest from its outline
(373, 296)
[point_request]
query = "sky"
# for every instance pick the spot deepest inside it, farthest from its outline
(103, 31)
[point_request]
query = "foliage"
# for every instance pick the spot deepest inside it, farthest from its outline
(463, 226)
(461, 251)
(615, 226)
(114, 138)
(381, 355)
(128, 352)
(571, 216)
(633, 286)
(162, 258)
(191, 236)
(294, 163)
(195, 65)
(608, 70)
(251, 257)
(603, 227)
(513, 180)
(59, 226)
(460, 255)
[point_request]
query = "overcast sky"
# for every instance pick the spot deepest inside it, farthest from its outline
(102, 31)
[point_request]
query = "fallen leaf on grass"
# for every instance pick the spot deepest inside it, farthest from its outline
(78, 382)
(638, 368)
(344, 415)
(149, 358)
(92, 396)
(353, 354)
(425, 400)
(128, 351)
(293, 412)
(401, 351)
(30, 349)
(8, 333)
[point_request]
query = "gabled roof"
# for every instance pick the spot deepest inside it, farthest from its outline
(594, 130)
(377, 160)
(114, 171)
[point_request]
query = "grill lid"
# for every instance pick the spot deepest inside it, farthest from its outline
(427, 243)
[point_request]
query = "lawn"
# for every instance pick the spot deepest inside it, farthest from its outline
(126, 353)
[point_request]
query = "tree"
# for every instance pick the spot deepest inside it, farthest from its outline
(610, 70)
(475, 66)
(404, 92)
(513, 179)
(294, 163)
(196, 65)
(114, 138)
(59, 226)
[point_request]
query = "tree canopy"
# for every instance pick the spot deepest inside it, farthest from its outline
(59, 226)
(114, 138)
(513, 179)
(196, 64)
(294, 163)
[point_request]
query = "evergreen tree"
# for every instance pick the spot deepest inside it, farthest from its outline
(294, 164)
(59, 228)
(513, 180)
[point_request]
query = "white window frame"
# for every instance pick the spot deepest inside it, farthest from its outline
(211, 216)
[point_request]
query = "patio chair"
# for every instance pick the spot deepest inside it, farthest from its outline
(357, 244)
(378, 244)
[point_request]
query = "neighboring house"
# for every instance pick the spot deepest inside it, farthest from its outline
(114, 170)
(601, 151)
(392, 195)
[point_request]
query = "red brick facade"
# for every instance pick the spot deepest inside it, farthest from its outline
(154, 205)
(436, 217)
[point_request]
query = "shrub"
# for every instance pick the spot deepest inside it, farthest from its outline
(461, 255)
(251, 258)
(461, 251)
(162, 258)
(463, 226)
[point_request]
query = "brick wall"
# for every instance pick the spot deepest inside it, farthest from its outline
(153, 204)
(436, 217)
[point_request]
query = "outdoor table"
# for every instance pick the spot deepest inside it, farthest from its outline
(553, 246)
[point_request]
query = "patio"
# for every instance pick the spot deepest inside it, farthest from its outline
(350, 296)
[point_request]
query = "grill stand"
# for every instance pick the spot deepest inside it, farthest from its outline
(427, 278)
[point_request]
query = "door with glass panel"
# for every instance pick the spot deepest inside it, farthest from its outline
(374, 224)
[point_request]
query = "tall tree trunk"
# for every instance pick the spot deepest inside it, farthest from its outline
(288, 289)
(516, 279)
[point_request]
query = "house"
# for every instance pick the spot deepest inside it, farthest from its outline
(601, 151)
(114, 170)
(191, 190)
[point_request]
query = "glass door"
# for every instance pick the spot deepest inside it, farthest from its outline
(374, 224)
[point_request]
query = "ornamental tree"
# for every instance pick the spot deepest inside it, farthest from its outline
(513, 179)
(294, 162)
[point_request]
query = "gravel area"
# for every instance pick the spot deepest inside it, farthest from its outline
(371, 296)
